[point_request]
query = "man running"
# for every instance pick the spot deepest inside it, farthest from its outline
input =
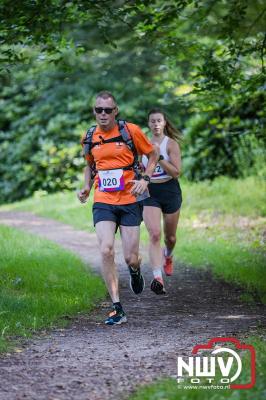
(115, 196)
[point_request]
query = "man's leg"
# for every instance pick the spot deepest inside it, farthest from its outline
(130, 243)
(105, 231)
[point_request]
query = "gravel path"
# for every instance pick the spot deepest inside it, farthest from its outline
(94, 362)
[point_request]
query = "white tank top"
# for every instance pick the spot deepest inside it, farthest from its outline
(159, 172)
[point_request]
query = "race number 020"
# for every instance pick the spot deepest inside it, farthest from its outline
(109, 182)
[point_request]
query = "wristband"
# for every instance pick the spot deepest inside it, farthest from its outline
(146, 178)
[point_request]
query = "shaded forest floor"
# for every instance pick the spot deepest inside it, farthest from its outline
(88, 360)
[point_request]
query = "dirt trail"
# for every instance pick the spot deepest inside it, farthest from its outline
(94, 362)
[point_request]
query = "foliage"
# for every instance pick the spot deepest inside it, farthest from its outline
(45, 109)
(41, 149)
(203, 62)
(227, 136)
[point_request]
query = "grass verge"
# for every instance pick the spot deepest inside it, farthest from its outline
(223, 196)
(40, 284)
(63, 207)
(222, 226)
(169, 389)
(228, 260)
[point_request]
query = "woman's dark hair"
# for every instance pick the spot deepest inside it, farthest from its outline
(170, 130)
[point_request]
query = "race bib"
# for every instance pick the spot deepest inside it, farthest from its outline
(111, 180)
(159, 171)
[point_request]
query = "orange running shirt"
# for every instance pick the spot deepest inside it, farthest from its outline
(114, 156)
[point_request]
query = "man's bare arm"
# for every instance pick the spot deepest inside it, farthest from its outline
(88, 182)
(139, 186)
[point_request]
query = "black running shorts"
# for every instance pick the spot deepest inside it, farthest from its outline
(126, 215)
(167, 196)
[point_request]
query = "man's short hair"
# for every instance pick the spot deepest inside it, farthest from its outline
(104, 94)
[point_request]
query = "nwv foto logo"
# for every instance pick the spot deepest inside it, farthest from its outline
(224, 362)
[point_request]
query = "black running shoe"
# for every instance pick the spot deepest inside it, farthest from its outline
(116, 317)
(157, 286)
(136, 282)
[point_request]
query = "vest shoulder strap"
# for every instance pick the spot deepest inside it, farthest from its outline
(127, 138)
(87, 142)
(124, 135)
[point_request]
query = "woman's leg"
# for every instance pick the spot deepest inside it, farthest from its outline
(152, 220)
(170, 222)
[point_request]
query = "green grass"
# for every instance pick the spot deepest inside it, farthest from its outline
(226, 259)
(221, 226)
(40, 284)
(224, 196)
(168, 389)
(245, 197)
(63, 207)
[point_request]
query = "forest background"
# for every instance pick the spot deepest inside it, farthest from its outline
(200, 61)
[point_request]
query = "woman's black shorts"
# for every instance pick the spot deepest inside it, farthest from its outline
(166, 195)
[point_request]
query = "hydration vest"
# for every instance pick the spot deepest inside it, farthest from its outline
(123, 137)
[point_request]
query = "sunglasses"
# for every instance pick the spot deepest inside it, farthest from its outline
(99, 110)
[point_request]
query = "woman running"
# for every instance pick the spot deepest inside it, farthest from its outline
(165, 197)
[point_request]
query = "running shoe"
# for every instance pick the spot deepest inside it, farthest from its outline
(168, 265)
(116, 317)
(157, 286)
(136, 282)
